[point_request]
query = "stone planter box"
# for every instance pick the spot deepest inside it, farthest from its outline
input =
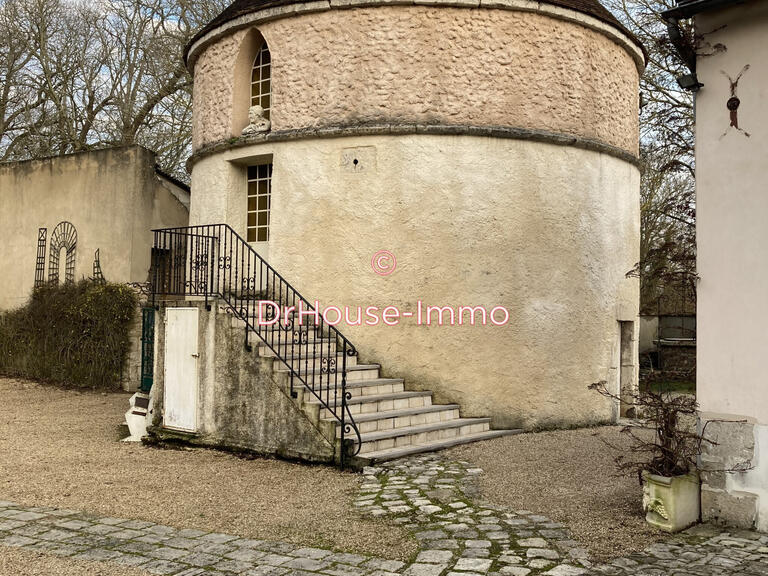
(671, 503)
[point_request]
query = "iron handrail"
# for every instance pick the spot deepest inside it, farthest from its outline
(213, 260)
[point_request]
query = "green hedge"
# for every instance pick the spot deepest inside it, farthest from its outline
(74, 334)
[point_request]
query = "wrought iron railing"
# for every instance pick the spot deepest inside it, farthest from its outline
(213, 261)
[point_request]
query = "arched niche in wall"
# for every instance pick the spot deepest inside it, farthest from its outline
(250, 49)
(63, 237)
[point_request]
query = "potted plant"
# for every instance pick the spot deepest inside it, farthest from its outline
(664, 457)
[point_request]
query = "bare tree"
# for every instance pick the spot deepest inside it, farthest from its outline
(65, 70)
(666, 117)
(78, 76)
(668, 248)
(17, 97)
(667, 266)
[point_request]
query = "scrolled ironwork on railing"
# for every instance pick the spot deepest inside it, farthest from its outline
(214, 261)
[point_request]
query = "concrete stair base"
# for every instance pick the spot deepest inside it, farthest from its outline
(393, 421)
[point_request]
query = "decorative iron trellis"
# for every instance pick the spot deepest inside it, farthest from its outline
(42, 241)
(63, 236)
(98, 275)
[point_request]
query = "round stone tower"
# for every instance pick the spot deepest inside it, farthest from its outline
(490, 146)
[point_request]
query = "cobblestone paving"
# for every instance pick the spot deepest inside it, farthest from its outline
(432, 497)
(459, 536)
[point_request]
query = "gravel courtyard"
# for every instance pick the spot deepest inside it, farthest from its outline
(59, 448)
(429, 494)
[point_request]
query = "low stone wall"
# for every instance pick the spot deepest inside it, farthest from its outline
(242, 403)
(731, 472)
(678, 359)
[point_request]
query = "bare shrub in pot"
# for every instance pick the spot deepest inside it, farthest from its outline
(666, 463)
(676, 445)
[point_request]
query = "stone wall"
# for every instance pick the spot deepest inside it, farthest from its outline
(426, 65)
(731, 235)
(112, 197)
(733, 473)
(678, 359)
(495, 147)
(131, 375)
(549, 232)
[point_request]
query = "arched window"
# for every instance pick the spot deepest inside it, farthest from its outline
(261, 80)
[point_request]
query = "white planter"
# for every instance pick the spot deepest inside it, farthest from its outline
(671, 504)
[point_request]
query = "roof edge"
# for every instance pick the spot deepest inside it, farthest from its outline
(172, 179)
(693, 7)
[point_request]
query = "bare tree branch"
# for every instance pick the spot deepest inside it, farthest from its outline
(77, 75)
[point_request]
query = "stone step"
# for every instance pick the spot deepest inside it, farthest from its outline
(274, 336)
(293, 318)
(287, 347)
(389, 419)
(355, 373)
(370, 387)
(310, 364)
(411, 435)
(311, 334)
(392, 453)
(379, 403)
(295, 356)
(237, 321)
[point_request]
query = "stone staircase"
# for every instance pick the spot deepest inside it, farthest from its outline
(212, 262)
(393, 421)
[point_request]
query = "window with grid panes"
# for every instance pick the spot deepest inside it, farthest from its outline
(259, 202)
(261, 80)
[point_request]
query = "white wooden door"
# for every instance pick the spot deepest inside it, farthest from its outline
(181, 355)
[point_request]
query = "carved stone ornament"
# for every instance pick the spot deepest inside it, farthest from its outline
(256, 121)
